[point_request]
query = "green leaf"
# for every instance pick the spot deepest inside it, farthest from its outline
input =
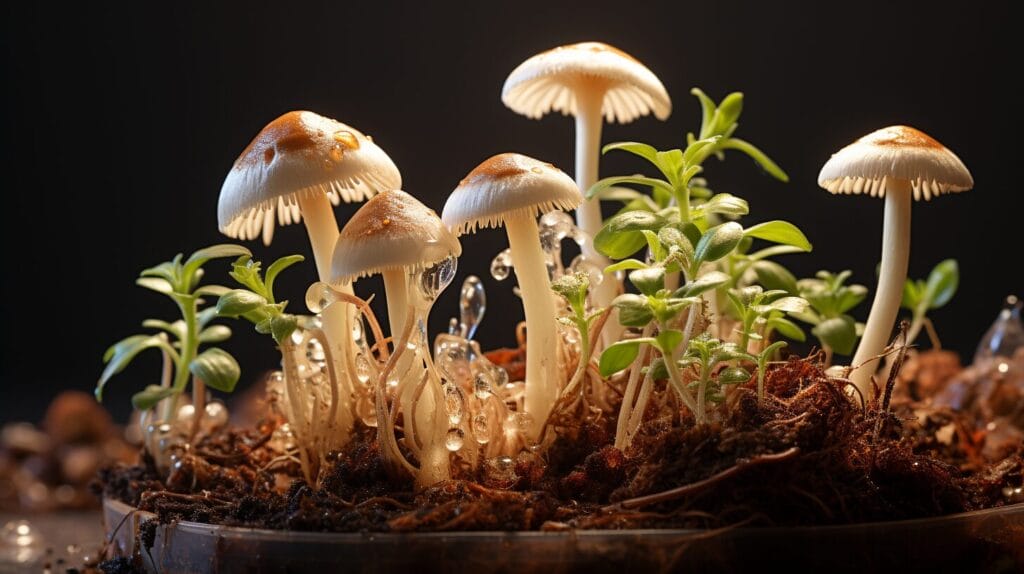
(601, 185)
(668, 340)
(158, 284)
(839, 333)
(733, 376)
(625, 265)
(636, 148)
(121, 354)
(211, 290)
(789, 304)
(214, 334)
(725, 204)
(779, 231)
(619, 356)
(177, 328)
(238, 302)
(150, 396)
(707, 108)
(729, 111)
(620, 237)
(276, 268)
(912, 293)
(217, 369)
(633, 310)
(718, 242)
(849, 297)
(786, 328)
(771, 275)
(281, 326)
(648, 281)
(942, 283)
(169, 271)
(758, 156)
(706, 282)
(199, 258)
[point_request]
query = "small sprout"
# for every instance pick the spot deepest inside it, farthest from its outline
(830, 301)
(256, 303)
(922, 296)
(754, 308)
(721, 121)
(180, 340)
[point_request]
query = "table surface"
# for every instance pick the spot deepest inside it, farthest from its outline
(53, 542)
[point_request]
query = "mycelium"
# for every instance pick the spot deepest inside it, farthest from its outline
(397, 236)
(898, 163)
(591, 81)
(294, 170)
(512, 190)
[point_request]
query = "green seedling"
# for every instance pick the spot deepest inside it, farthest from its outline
(256, 303)
(180, 340)
(756, 309)
(573, 288)
(830, 300)
(922, 295)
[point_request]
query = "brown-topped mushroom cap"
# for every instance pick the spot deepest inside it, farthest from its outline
(299, 153)
(895, 152)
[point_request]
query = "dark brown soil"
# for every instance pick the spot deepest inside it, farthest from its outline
(809, 455)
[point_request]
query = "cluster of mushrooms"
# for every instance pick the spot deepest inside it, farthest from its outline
(424, 399)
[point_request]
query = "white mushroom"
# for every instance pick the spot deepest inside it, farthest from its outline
(899, 163)
(294, 170)
(512, 190)
(588, 80)
(403, 240)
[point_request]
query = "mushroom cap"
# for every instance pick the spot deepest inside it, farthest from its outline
(547, 82)
(900, 153)
(299, 153)
(392, 230)
(508, 185)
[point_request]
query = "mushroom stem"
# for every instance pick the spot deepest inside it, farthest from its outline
(395, 286)
(589, 122)
(892, 276)
(542, 384)
(322, 228)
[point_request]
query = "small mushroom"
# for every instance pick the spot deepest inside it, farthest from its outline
(397, 236)
(588, 80)
(899, 163)
(512, 190)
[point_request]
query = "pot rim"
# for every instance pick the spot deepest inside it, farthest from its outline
(124, 510)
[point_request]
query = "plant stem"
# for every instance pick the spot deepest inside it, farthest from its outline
(893, 274)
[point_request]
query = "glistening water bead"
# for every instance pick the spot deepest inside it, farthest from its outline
(453, 403)
(501, 265)
(454, 439)
(437, 277)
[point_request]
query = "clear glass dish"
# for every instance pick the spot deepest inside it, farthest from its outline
(982, 541)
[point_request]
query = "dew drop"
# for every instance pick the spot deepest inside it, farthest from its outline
(481, 429)
(347, 139)
(501, 265)
(362, 369)
(453, 403)
(437, 277)
(454, 440)
(482, 386)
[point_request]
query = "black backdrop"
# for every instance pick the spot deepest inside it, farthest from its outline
(121, 122)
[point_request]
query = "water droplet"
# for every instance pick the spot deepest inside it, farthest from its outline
(482, 385)
(522, 421)
(437, 277)
(348, 139)
(582, 264)
(362, 369)
(481, 429)
(1004, 337)
(357, 330)
(216, 417)
(453, 441)
(392, 382)
(502, 265)
(536, 170)
(315, 351)
(453, 403)
(19, 543)
(472, 305)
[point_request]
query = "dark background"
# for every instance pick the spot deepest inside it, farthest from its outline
(121, 123)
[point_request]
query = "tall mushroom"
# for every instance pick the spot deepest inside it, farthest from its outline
(512, 190)
(588, 80)
(294, 170)
(898, 163)
(397, 236)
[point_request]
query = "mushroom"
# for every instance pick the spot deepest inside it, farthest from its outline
(512, 190)
(397, 236)
(588, 80)
(899, 163)
(294, 170)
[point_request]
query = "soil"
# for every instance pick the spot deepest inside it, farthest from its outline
(809, 455)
